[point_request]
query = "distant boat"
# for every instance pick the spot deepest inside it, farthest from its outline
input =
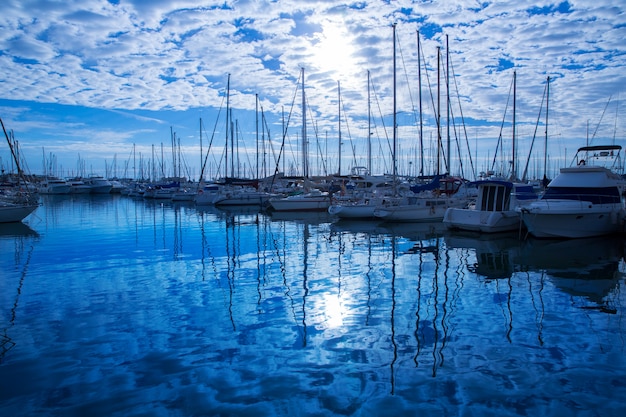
(241, 196)
(583, 200)
(206, 194)
(52, 185)
(99, 185)
(361, 194)
(78, 186)
(314, 200)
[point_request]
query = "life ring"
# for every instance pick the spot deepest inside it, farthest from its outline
(581, 162)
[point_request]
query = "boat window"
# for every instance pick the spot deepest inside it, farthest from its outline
(605, 195)
(500, 199)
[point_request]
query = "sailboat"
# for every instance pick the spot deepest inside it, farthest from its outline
(235, 191)
(16, 203)
(425, 202)
(312, 199)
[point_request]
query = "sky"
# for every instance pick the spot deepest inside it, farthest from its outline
(141, 88)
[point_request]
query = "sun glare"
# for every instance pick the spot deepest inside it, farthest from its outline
(335, 51)
(333, 311)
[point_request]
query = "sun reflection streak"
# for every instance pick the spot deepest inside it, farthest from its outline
(334, 310)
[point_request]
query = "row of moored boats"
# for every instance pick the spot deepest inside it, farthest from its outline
(584, 200)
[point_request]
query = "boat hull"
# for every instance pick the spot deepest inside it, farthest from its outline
(16, 213)
(300, 203)
(572, 219)
(482, 221)
(419, 209)
(242, 199)
(352, 211)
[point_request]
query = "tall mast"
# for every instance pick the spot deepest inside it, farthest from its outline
(339, 127)
(448, 166)
(513, 168)
(369, 126)
(305, 166)
(227, 126)
(438, 109)
(201, 154)
(419, 78)
(545, 148)
(395, 126)
(257, 133)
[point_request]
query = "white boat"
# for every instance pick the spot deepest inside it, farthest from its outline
(314, 200)
(361, 195)
(495, 208)
(99, 185)
(427, 205)
(355, 209)
(241, 196)
(184, 194)
(206, 195)
(584, 200)
(15, 208)
(52, 185)
(78, 186)
(117, 187)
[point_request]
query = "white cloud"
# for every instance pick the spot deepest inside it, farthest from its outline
(177, 54)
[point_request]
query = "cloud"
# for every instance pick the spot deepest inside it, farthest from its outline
(176, 55)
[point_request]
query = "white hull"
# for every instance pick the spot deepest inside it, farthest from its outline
(353, 211)
(410, 213)
(54, 189)
(419, 209)
(183, 196)
(99, 185)
(482, 221)
(10, 213)
(244, 198)
(301, 202)
(572, 219)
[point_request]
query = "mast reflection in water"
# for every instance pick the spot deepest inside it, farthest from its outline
(114, 306)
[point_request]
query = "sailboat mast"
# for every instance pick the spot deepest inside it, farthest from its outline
(419, 79)
(513, 168)
(438, 109)
(305, 166)
(545, 147)
(395, 125)
(369, 126)
(339, 123)
(256, 102)
(227, 126)
(448, 166)
(201, 154)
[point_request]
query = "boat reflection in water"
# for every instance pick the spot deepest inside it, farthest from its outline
(587, 267)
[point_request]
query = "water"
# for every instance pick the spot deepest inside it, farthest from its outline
(116, 307)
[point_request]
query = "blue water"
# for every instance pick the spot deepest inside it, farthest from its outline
(117, 307)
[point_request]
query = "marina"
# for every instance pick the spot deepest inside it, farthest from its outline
(114, 305)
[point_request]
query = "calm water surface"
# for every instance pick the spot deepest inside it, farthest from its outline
(116, 307)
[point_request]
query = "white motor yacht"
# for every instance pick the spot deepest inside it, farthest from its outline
(584, 200)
